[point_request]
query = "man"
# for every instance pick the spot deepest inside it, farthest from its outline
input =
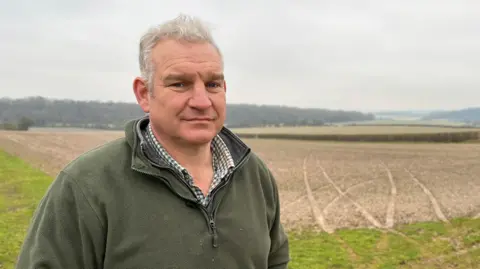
(178, 191)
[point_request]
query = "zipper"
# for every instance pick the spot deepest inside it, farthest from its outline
(210, 217)
(227, 179)
(214, 232)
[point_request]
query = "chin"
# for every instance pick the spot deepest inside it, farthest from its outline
(198, 133)
(199, 136)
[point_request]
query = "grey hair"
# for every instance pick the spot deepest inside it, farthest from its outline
(183, 27)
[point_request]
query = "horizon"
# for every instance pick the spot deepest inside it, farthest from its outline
(419, 111)
(358, 56)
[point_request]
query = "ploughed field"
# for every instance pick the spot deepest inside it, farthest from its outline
(336, 185)
(327, 185)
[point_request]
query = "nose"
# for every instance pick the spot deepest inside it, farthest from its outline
(200, 98)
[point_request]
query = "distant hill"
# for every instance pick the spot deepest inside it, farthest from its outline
(468, 115)
(94, 114)
(401, 114)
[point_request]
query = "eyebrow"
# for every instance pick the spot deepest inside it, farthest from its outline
(187, 76)
(216, 76)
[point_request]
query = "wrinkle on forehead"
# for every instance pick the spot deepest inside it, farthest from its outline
(190, 68)
(171, 52)
(170, 62)
(205, 75)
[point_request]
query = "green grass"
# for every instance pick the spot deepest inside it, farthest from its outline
(21, 188)
(430, 244)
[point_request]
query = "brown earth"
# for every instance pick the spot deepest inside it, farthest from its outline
(373, 185)
(323, 184)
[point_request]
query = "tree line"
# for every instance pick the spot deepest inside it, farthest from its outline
(468, 115)
(45, 112)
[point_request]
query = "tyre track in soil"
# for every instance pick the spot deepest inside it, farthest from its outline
(368, 216)
(436, 207)
(300, 197)
(317, 214)
(320, 218)
(390, 216)
(362, 209)
(333, 201)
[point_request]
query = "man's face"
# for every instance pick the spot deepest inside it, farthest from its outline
(188, 101)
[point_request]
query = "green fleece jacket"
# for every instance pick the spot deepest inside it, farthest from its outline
(113, 208)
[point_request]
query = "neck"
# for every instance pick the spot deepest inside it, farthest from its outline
(187, 155)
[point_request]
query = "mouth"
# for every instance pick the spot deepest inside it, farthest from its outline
(199, 119)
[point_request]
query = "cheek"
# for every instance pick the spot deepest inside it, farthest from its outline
(173, 103)
(218, 101)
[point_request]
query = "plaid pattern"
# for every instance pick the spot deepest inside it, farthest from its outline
(222, 163)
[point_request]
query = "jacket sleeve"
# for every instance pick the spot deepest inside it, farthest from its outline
(279, 252)
(64, 232)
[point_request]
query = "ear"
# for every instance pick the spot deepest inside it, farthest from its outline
(142, 94)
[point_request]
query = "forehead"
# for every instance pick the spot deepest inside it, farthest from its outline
(186, 57)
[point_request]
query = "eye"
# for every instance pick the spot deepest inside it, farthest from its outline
(213, 85)
(178, 84)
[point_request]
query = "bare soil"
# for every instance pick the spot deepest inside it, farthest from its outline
(323, 184)
(373, 185)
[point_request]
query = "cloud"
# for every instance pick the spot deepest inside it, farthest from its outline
(365, 55)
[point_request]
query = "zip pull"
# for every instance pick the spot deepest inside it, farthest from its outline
(214, 231)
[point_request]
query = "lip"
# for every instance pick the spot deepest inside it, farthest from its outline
(199, 119)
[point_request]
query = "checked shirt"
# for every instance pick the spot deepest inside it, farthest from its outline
(222, 163)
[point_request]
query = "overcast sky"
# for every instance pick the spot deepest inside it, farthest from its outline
(339, 54)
